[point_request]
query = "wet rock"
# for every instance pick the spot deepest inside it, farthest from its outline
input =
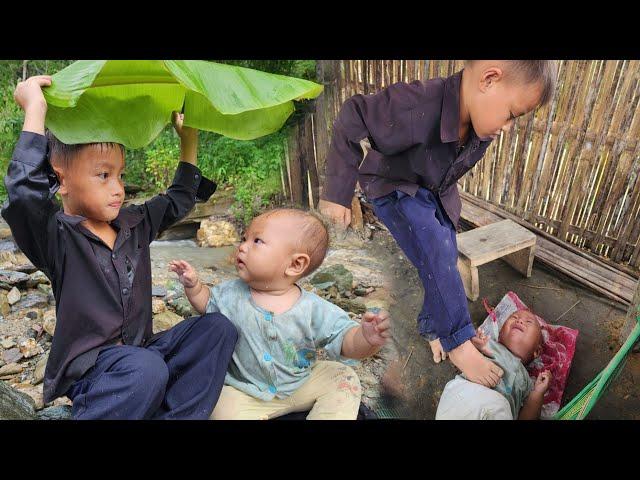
(11, 355)
(158, 306)
(165, 320)
(158, 291)
(8, 343)
(37, 278)
(38, 374)
(10, 277)
(14, 296)
(30, 348)
(15, 405)
(216, 233)
(60, 412)
(49, 321)
(34, 314)
(338, 274)
(10, 369)
(32, 300)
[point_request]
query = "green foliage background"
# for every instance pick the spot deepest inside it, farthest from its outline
(251, 167)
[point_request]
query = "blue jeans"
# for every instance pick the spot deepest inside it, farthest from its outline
(425, 234)
(177, 376)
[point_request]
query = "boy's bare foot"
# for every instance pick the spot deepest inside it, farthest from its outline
(475, 366)
(438, 352)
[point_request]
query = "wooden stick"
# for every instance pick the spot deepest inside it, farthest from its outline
(556, 321)
(408, 357)
(541, 287)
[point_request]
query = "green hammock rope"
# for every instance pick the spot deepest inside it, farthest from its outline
(581, 405)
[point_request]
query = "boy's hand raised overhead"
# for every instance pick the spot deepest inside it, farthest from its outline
(188, 139)
(28, 95)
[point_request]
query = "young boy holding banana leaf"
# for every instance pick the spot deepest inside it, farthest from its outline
(96, 255)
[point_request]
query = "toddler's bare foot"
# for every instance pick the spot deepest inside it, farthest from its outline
(438, 352)
(475, 366)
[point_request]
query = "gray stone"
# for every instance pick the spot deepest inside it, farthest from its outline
(14, 296)
(37, 278)
(59, 412)
(8, 343)
(13, 278)
(26, 268)
(12, 355)
(32, 300)
(158, 291)
(338, 274)
(45, 288)
(15, 405)
(8, 246)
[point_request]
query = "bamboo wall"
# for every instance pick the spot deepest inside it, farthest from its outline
(570, 169)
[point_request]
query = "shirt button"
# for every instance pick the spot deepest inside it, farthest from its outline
(268, 317)
(125, 291)
(114, 256)
(272, 389)
(267, 357)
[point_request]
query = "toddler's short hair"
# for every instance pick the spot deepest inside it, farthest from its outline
(314, 235)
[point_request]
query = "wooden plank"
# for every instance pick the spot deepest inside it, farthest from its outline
(522, 260)
(595, 276)
(470, 281)
(487, 243)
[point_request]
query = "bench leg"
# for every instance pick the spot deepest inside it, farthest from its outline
(469, 277)
(522, 260)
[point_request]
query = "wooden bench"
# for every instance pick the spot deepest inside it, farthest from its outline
(505, 239)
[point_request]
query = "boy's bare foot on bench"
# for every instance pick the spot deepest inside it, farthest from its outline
(475, 366)
(438, 352)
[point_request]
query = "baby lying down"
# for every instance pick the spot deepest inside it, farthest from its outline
(516, 396)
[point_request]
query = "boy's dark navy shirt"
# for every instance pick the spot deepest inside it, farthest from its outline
(103, 296)
(413, 129)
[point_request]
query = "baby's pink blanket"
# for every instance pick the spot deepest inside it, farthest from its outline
(558, 349)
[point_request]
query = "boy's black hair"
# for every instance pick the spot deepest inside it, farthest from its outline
(533, 71)
(63, 154)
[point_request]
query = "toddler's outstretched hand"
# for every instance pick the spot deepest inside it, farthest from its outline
(186, 273)
(376, 327)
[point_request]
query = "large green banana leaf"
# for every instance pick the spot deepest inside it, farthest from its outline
(130, 102)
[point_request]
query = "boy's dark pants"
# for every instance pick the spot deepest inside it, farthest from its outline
(428, 238)
(177, 376)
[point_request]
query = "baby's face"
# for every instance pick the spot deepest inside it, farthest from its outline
(522, 335)
(266, 251)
